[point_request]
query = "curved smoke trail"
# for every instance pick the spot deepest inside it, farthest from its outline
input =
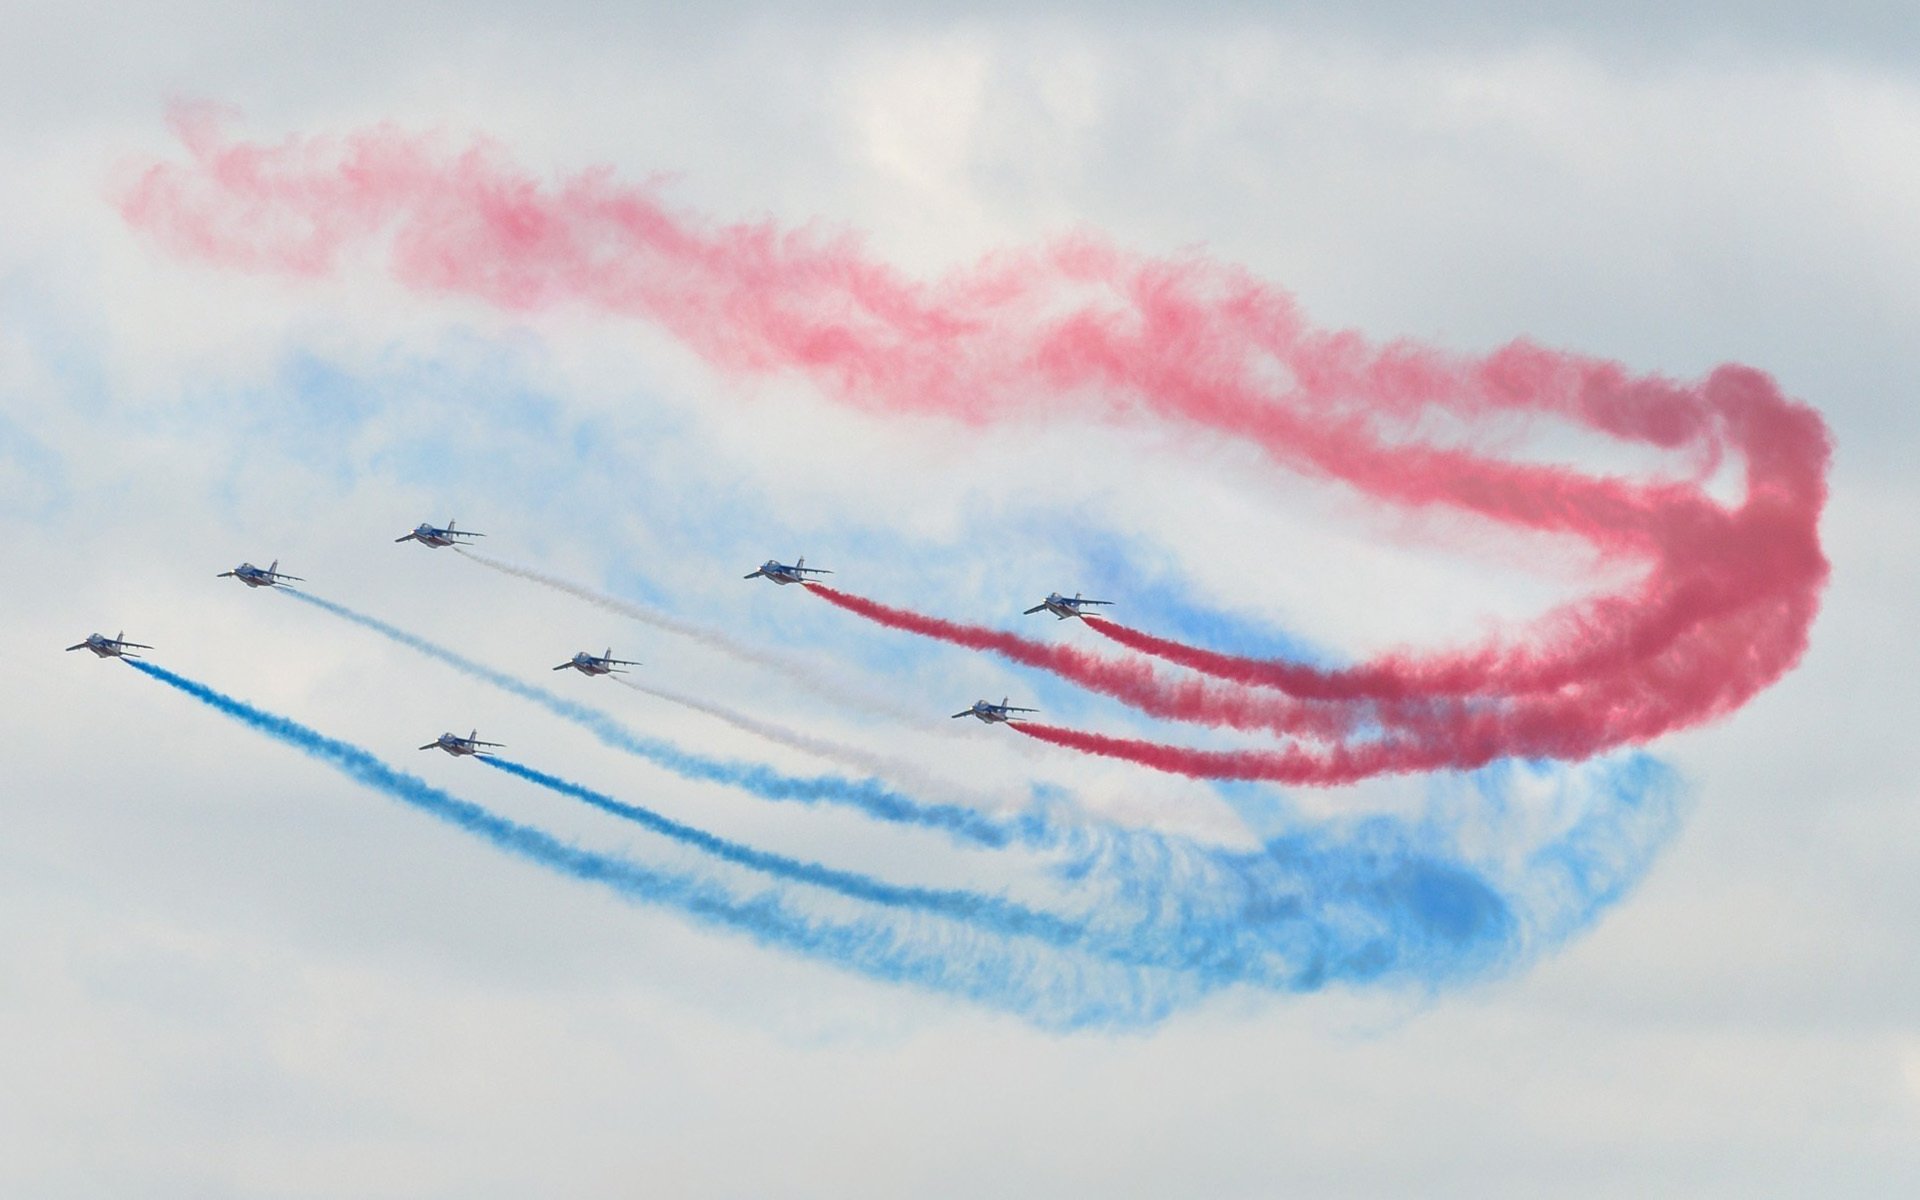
(1304, 911)
(1040, 985)
(1366, 737)
(1198, 903)
(1721, 607)
(1132, 682)
(1213, 947)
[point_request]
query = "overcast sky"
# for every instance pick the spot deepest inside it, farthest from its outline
(226, 970)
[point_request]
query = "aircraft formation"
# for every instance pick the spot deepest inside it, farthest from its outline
(585, 662)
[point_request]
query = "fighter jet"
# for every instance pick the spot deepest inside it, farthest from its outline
(429, 536)
(111, 647)
(458, 746)
(994, 714)
(254, 576)
(1062, 607)
(782, 574)
(597, 664)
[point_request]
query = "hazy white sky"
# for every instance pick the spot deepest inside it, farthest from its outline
(225, 970)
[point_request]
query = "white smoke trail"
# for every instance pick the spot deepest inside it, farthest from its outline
(895, 770)
(807, 674)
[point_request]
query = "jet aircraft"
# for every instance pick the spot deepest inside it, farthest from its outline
(597, 664)
(111, 647)
(994, 714)
(782, 574)
(428, 535)
(1061, 606)
(255, 577)
(459, 746)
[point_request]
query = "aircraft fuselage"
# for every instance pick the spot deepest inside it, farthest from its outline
(459, 747)
(993, 714)
(1065, 606)
(435, 537)
(783, 574)
(106, 647)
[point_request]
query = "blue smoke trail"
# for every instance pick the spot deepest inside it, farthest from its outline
(1060, 992)
(1216, 947)
(1306, 910)
(1355, 901)
(994, 913)
(1050, 991)
(870, 796)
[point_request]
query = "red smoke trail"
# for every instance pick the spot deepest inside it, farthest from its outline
(1291, 766)
(1134, 682)
(1720, 610)
(1418, 735)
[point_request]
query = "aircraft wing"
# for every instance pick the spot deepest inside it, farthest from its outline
(623, 662)
(431, 746)
(463, 533)
(1016, 708)
(81, 646)
(563, 666)
(410, 537)
(967, 713)
(1096, 602)
(811, 571)
(226, 575)
(290, 578)
(1036, 608)
(135, 645)
(755, 575)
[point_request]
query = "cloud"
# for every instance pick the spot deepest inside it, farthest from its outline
(248, 984)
